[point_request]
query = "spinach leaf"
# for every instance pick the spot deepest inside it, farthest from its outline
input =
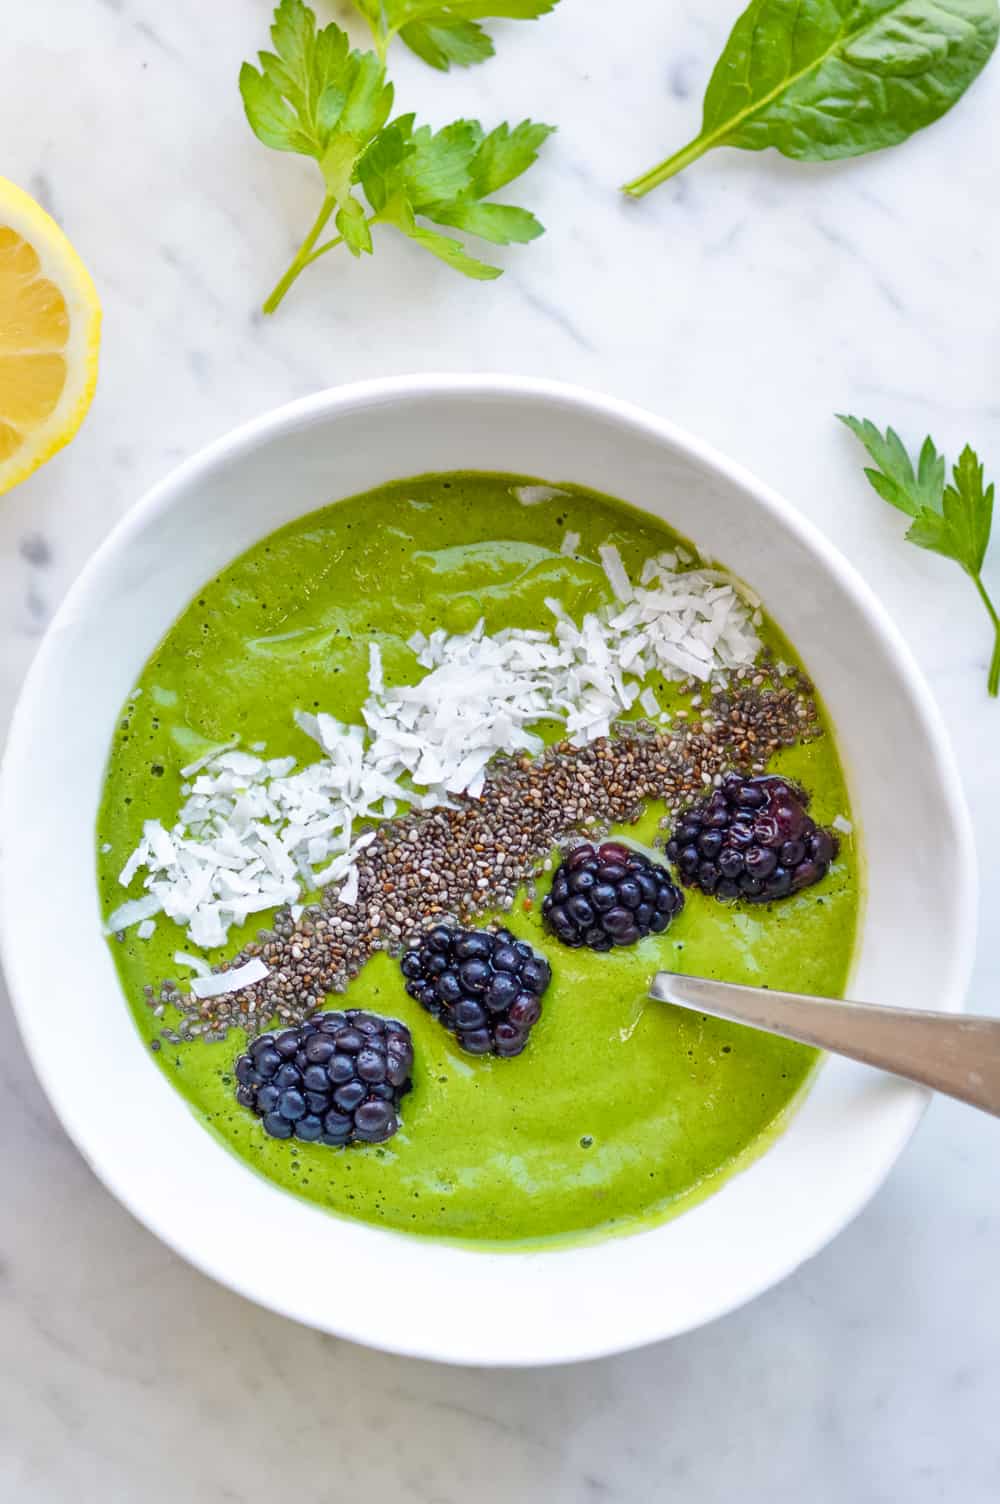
(822, 79)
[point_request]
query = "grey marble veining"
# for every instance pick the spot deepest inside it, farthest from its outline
(748, 300)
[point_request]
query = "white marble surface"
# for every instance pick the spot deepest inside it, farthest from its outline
(748, 301)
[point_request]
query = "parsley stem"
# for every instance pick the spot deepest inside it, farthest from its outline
(382, 32)
(680, 159)
(321, 250)
(329, 245)
(303, 255)
(993, 683)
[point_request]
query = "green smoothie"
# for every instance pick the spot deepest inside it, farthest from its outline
(620, 1112)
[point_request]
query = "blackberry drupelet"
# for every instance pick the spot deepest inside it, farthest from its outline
(609, 896)
(485, 986)
(751, 839)
(336, 1080)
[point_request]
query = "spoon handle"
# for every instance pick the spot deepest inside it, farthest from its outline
(953, 1053)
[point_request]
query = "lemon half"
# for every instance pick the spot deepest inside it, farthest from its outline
(50, 333)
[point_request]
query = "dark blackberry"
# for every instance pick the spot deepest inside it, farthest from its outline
(609, 896)
(337, 1079)
(751, 839)
(485, 986)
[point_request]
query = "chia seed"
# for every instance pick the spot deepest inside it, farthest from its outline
(458, 865)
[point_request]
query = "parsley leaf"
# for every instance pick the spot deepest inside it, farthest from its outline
(444, 177)
(442, 40)
(505, 154)
(443, 32)
(952, 519)
(895, 480)
(961, 529)
(314, 96)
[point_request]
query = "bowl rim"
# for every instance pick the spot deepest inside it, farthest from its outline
(385, 391)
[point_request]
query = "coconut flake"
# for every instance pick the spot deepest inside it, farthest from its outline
(841, 823)
(197, 964)
(618, 579)
(570, 544)
(147, 929)
(160, 845)
(132, 912)
(376, 682)
(219, 983)
(135, 861)
(533, 496)
(206, 758)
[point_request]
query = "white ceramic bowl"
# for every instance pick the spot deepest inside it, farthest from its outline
(392, 1291)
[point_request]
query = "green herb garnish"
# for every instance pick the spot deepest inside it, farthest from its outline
(444, 32)
(953, 520)
(822, 79)
(314, 96)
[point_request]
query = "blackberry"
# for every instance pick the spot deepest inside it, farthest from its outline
(751, 839)
(485, 986)
(609, 896)
(337, 1079)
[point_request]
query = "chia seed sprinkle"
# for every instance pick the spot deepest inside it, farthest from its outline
(457, 865)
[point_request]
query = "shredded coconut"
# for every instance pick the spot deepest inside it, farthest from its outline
(255, 833)
(132, 912)
(197, 964)
(533, 496)
(376, 682)
(218, 983)
(841, 823)
(615, 570)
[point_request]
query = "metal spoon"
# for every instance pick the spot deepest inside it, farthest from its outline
(950, 1052)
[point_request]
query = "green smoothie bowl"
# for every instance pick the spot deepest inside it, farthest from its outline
(373, 766)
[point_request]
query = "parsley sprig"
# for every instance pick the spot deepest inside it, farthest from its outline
(951, 519)
(314, 96)
(444, 32)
